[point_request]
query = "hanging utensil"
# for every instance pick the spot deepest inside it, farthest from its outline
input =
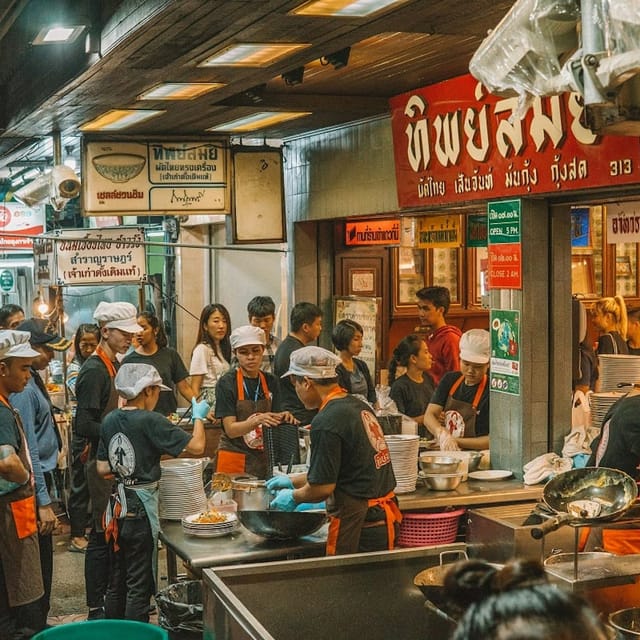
(588, 496)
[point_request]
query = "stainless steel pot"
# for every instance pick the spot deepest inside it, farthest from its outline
(250, 493)
(626, 622)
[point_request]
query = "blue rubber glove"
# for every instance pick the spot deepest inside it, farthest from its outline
(284, 501)
(279, 482)
(199, 410)
(308, 506)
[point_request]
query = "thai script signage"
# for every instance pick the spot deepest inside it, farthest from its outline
(455, 142)
(18, 224)
(504, 248)
(155, 177)
(90, 256)
(439, 231)
(370, 232)
(623, 222)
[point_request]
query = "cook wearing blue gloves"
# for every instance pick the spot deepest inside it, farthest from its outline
(284, 501)
(199, 410)
(279, 482)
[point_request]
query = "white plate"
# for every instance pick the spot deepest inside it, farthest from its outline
(491, 474)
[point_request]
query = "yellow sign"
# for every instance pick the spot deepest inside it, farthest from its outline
(439, 231)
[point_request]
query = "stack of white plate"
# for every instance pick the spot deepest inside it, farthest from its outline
(181, 488)
(192, 527)
(404, 460)
(615, 368)
(600, 403)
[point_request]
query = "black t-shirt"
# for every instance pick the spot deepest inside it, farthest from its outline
(464, 393)
(9, 433)
(171, 369)
(348, 449)
(227, 393)
(132, 441)
(612, 343)
(412, 397)
(290, 400)
(620, 438)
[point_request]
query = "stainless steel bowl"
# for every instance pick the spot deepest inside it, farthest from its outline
(474, 460)
(439, 464)
(443, 481)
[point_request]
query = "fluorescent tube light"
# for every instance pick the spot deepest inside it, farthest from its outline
(179, 90)
(120, 119)
(251, 54)
(344, 8)
(58, 34)
(259, 120)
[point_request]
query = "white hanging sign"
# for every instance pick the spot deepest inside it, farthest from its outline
(623, 223)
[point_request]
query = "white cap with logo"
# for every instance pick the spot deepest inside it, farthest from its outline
(312, 362)
(117, 315)
(15, 344)
(133, 378)
(475, 346)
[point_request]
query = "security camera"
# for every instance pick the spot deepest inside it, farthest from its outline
(64, 182)
(34, 192)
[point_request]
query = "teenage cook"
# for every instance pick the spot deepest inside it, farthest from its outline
(350, 463)
(458, 414)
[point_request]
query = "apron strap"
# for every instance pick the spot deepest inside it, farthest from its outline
(392, 514)
(479, 391)
(102, 354)
(240, 384)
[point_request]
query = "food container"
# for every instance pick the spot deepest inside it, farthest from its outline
(443, 481)
(250, 494)
(626, 622)
(466, 458)
(433, 463)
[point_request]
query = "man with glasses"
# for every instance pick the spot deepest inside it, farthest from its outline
(458, 414)
(442, 339)
(96, 397)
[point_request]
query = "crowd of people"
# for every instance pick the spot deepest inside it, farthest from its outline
(124, 381)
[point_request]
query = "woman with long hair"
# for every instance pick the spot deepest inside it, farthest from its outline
(412, 390)
(212, 352)
(609, 317)
(151, 347)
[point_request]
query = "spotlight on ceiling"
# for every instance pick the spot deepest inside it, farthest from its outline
(294, 76)
(338, 59)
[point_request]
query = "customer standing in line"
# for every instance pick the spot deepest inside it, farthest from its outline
(262, 313)
(609, 317)
(85, 342)
(151, 347)
(97, 396)
(132, 440)
(442, 339)
(412, 390)
(36, 411)
(353, 374)
(20, 575)
(305, 326)
(211, 355)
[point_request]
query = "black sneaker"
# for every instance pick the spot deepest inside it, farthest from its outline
(96, 614)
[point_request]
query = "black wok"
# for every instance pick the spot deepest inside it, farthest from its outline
(282, 525)
(573, 494)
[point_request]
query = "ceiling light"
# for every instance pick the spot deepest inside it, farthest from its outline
(58, 34)
(251, 55)
(344, 8)
(259, 120)
(338, 59)
(293, 77)
(120, 119)
(179, 90)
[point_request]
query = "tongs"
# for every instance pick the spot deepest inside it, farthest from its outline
(622, 385)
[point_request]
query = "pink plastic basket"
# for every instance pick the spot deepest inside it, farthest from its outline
(423, 529)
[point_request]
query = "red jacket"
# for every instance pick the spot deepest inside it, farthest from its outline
(444, 347)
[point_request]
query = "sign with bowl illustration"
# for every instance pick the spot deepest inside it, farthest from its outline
(157, 178)
(90, 256)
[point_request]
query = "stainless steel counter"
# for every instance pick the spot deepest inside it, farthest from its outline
(240, 547)
(471, 493)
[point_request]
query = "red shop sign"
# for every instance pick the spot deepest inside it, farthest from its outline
(454, 142)
(505, 266)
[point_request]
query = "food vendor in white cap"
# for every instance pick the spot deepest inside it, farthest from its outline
(458, 414)
(350, 464)
(96, 397)
(132, 440)
(247, 401)
(20, 576)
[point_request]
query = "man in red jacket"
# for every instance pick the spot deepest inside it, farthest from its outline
(443, 339)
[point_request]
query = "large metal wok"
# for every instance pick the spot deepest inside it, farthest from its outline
(282, 525)
(584, 497)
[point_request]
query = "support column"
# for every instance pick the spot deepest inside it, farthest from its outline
(520, 424)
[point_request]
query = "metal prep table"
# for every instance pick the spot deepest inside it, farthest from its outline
(368, 595)
(240, 547)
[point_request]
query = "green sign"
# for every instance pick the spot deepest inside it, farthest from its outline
(505, 351)
(7, 280)
(504, 221)
(476, 230)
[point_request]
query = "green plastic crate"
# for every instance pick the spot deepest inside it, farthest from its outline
(103, 630)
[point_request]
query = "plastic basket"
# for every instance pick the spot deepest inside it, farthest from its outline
(423, 529)
(103, 630)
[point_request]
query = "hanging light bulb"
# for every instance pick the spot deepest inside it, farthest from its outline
(42, 308)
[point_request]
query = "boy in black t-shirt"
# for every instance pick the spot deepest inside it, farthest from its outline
(132, 440)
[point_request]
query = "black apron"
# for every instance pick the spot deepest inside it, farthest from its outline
(460, 416)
